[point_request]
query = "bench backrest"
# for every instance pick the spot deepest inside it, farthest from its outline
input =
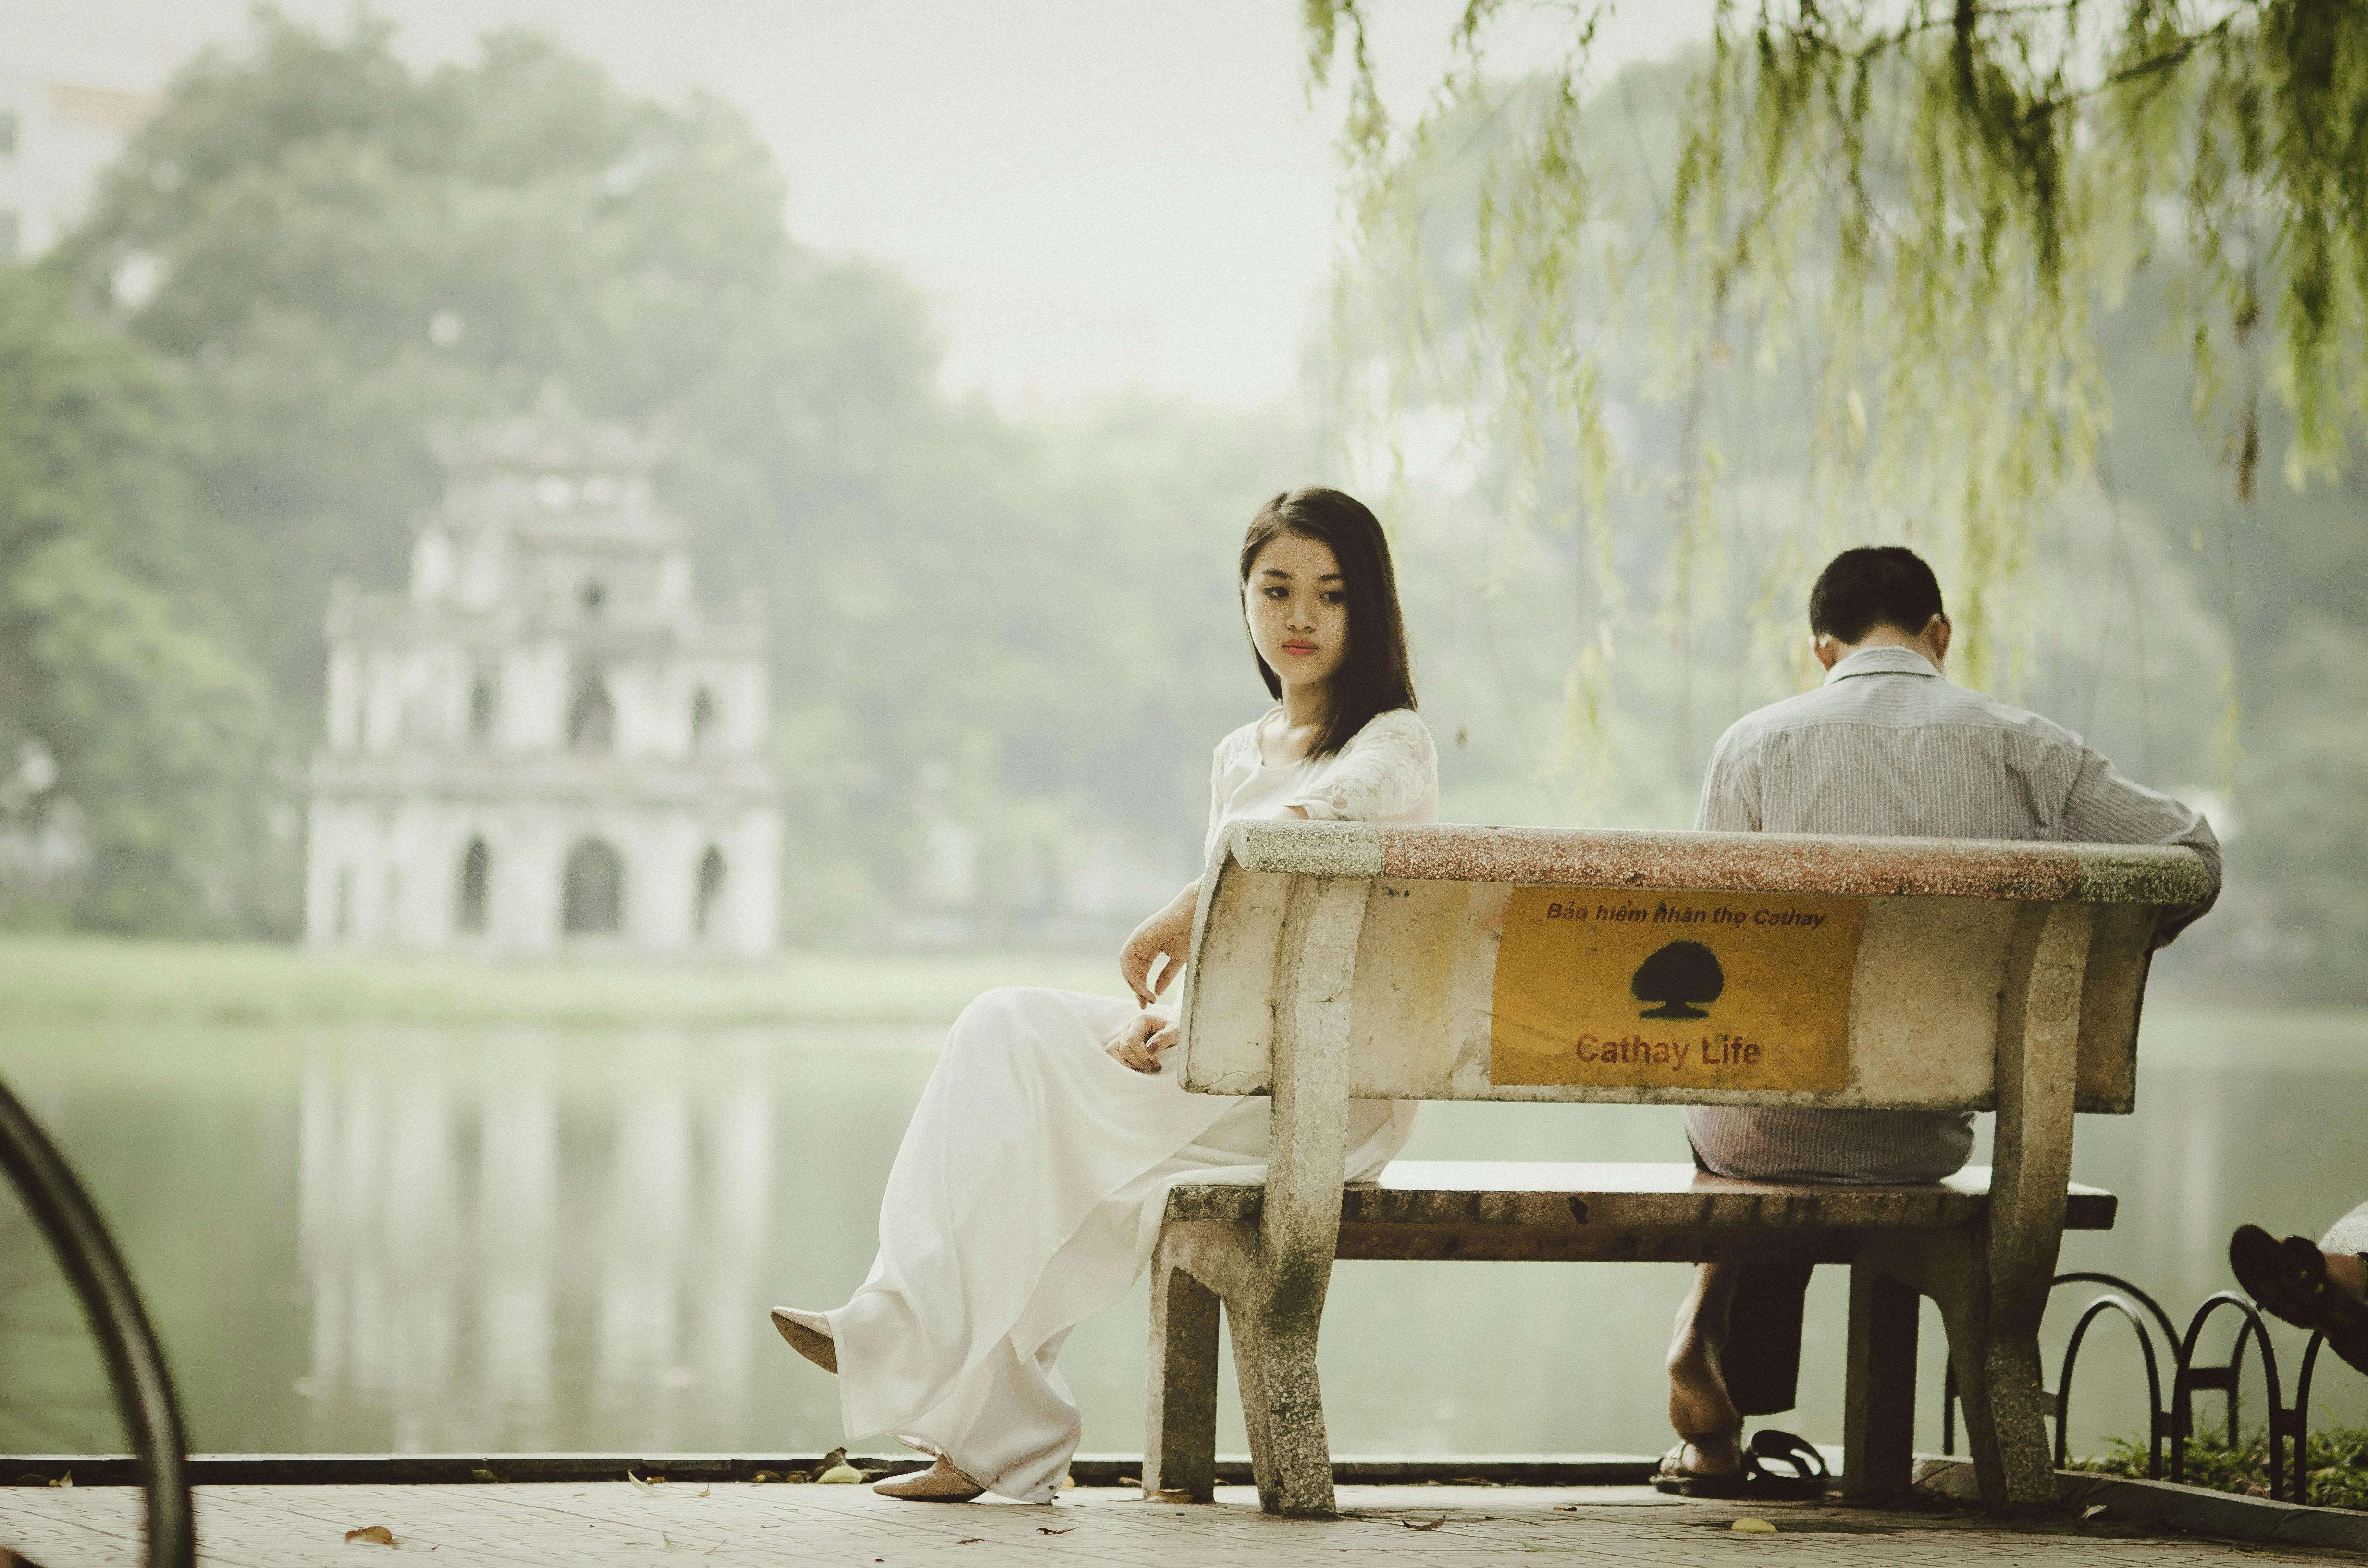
(1763, 969)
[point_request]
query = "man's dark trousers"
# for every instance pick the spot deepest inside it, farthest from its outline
(1760, 1361)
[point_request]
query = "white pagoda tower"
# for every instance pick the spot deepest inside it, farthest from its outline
(548, 743)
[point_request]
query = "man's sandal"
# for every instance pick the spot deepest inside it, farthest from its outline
(1806, 1483)
(1679, 1481)
(2288, 1279)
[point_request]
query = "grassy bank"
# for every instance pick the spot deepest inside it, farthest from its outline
(2337, 1465)
(97, 980)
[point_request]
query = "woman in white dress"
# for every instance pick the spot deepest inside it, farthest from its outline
(1028, 1189)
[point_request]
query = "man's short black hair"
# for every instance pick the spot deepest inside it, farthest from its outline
(1874, 585)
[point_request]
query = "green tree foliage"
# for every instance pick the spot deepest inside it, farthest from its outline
(118, 655)
(347, 252)
(341, 252)
(1924, 205)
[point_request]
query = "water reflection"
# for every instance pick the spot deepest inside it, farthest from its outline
(488, 1258)
(505, 1241)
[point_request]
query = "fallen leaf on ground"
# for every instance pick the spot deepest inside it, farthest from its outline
(1047, 1529)
(639, 1483)
(488, 1476)
(708, 1490)
(65, 1480)
(839, 1475)
(1175, 1494)
(674, 1545)
(2092, 1510)
(1432, 1526)
(1068, 1481)
(970, 1541)
(1130, 1480)
(761, 1477)
(371, 1535)
(1752, 1526)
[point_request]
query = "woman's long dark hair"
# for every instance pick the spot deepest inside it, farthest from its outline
(1373, 676)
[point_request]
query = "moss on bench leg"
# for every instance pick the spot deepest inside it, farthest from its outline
(1283, 1405)
(1998, 1385)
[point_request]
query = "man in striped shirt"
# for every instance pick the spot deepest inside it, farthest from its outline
(1886, 745)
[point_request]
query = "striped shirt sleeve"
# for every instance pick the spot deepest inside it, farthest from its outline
(2102, 807)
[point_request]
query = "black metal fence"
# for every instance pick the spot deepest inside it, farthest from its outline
(2170, 1424)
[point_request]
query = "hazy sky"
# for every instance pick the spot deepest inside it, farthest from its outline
(1093, 193)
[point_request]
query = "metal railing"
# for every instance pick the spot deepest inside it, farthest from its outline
(45, 1184)
(2170, 1425)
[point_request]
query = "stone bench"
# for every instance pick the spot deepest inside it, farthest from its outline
(1334, 960)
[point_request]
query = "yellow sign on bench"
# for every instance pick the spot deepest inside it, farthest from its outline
(1668, 990)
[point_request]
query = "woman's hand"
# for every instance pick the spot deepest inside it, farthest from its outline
(1166, 936)
(1144, 1038)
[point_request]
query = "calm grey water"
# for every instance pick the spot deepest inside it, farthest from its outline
(490, 1241)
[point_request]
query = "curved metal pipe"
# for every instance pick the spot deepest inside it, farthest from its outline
(135, 1365)
(2155, 1422)
(2298, 1422)
(2183, 1391)
(2115, 1282)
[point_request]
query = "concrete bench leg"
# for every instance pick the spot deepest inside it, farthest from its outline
(1283, 1405)
(1180, 1452)
(1996, 1284)
(1998, 1383)
(1879, 1407)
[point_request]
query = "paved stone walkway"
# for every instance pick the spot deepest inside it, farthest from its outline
(275, 1526)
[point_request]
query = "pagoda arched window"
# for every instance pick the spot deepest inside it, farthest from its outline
(481, 710)
(592, 720)
(476, 868)
(593, 897)
(710, 892)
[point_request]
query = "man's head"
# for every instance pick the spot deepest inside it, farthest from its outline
(1877, 595)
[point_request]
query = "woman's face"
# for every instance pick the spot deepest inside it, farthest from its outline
(1298, 611)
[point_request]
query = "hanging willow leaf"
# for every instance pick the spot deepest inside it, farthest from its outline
(1906, 217)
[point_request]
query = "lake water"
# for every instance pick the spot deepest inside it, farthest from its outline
(501, 1241)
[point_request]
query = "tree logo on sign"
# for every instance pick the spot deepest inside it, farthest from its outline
(1677, 976)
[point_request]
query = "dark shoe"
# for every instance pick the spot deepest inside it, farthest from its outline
(2288, 1279)
(1806, 1483)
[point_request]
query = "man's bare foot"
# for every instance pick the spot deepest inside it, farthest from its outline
(1699, 1409)
(941, 1483)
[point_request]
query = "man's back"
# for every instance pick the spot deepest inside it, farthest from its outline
(1888, 747)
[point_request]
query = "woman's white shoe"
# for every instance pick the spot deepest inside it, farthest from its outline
(809, 1335)
(941, 1483)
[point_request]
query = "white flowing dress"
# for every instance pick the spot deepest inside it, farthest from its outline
(1027, 1192)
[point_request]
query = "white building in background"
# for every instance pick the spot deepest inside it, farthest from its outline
(54, 140)
(548, 743)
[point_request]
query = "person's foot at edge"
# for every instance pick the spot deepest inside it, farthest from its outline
(809, 1335)
(941, 1483)
(1700, 1410)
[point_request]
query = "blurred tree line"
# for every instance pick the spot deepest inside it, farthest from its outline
(313, 252)
(1633, 579)
(214, 399)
